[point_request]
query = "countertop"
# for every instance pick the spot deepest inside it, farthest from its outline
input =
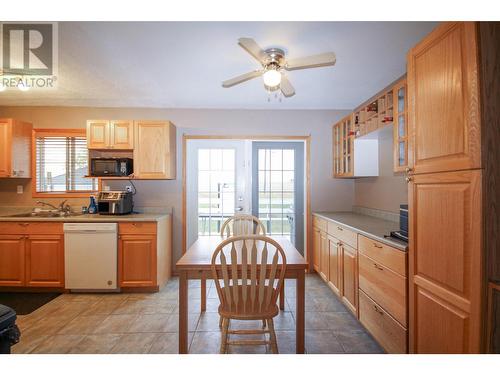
(5, 212)
(368, 226)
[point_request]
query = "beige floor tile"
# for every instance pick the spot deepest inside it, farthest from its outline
(130, 307)
(116, 323)
(96, 344)
(27, 343)
(48, 326)
(58, 344)
(103, 307)
(166, 343)
(322, 342)
(82, 325)
(205, 343)
(151, 323)
(134, 343)
(161, 307)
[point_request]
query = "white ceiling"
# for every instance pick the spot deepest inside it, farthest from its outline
(182, 64)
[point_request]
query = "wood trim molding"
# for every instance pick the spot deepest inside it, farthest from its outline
(307, 142)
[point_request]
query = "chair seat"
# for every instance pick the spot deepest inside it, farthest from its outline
(248, 311)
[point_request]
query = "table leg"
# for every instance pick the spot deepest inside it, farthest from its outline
(183, 312)
(300, 311)
(282, 296)
(203, 282)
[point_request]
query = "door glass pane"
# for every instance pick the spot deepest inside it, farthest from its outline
(216, 189)
(401, 99)
(401, 125)
(401, 149)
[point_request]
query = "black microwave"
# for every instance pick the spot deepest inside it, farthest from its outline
(111, 167)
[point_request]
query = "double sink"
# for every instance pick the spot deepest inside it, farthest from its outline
(45, 214)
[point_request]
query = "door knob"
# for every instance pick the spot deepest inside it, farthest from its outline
(239, 208)
(408, 170)
(408, 179)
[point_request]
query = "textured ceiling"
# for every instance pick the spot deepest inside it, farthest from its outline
(182, 64)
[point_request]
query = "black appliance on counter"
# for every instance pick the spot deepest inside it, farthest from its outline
(120, 167)
(115, 203)
(402, 233)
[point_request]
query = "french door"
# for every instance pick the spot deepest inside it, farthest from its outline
(278, 189)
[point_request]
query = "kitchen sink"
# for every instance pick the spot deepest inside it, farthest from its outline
(45, 214)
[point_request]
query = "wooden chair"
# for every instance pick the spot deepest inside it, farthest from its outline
(251, 269)
(240, 225)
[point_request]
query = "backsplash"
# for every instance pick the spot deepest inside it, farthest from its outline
(385, 215)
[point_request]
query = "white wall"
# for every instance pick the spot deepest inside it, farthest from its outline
(326, 193)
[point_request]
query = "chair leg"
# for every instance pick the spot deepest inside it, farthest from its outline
(272, 334)
(223, 341)
(221, 319)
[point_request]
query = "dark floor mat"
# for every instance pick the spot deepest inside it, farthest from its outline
(26, 303)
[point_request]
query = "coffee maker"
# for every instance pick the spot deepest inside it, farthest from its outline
(115, 202)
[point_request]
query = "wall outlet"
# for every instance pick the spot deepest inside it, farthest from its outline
(128, 188)
(20, 189)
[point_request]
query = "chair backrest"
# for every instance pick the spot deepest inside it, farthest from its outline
(248, 272)
(240, 225)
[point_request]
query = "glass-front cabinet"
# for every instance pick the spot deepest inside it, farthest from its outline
(343, 155)
(400, 127)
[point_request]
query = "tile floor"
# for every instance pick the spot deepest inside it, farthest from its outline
(148, 323)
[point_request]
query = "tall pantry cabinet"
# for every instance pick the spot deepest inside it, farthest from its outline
(446, 252)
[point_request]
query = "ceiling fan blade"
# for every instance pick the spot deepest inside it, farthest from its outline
(242, 78)
(286, 87)
(315, 61)
(253, 49)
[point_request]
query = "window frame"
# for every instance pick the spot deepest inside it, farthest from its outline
(55, 133)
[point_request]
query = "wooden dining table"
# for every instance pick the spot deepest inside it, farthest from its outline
(196, 264)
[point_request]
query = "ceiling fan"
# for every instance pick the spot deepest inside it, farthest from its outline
(274, 64)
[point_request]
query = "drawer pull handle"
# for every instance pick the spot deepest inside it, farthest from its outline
(377, 267)
(377, 245)
(378, 310)
(340, 228)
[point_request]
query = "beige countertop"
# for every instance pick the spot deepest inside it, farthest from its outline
(5, 213)
(368, 226)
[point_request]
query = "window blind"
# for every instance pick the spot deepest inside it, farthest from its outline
(61, 164)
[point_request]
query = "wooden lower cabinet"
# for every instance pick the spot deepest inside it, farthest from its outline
(350, 277)
(45, 261)
(324, 254)
(384, 328)
(334, 259)
(12, 260)
(137, 260)
(316, 249)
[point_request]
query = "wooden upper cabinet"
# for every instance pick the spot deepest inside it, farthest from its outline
(155, 150)
(122, 135)
(445, 258)
(400, 128)
(45, 261)
(115, 134)
(98, 133)
(443, 102)
(11, 260)
(15, 148)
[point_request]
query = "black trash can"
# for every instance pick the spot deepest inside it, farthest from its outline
(9, 333)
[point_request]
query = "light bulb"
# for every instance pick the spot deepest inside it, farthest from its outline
(272, 78)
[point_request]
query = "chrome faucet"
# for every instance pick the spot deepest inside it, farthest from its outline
(47, 204)
(63, 207)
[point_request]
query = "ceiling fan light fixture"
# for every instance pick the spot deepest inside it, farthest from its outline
(272, 78)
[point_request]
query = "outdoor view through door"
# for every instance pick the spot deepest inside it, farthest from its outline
(262, 178)
(277, 188)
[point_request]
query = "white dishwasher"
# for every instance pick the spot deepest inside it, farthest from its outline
(90, 256)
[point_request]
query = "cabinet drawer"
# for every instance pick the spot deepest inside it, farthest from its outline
(32, 227)
(384, 286)
(137, 227)
(345, 235)
(319, 223)
(386, 255)
(387, 331)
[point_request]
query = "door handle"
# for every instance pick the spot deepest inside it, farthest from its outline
(239, 208)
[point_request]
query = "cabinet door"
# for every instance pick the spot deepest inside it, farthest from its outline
(122, 135)
(445, 260)
(324, 253)
(137, 260)
(400, 129)
(443, 100)
(45, 261)
(334, 260)
(98, 134)
(11, 260)
(5, 148)
(316, 249)
(154, 151)
(349, 277)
